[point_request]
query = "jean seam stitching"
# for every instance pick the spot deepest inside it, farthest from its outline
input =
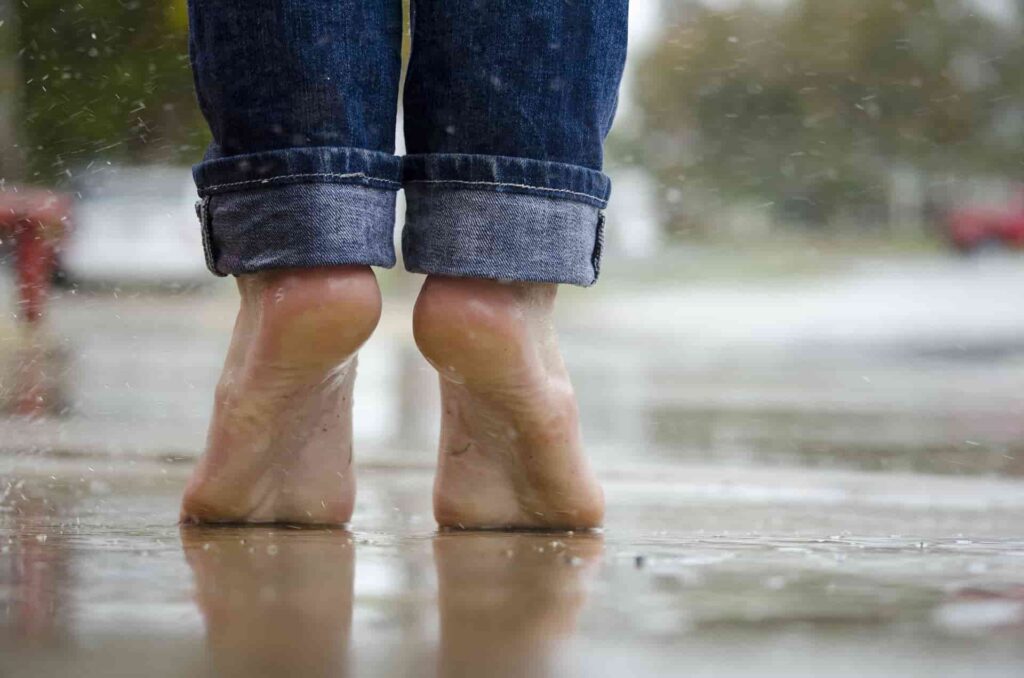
(498, 183)
(595, 257)
(207, 231)
(334, 175)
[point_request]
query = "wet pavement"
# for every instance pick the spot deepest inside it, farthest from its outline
(754, 373)
(785, 500)
(711, 573)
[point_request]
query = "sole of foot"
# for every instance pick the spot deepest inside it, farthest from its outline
(511, 454)
(279, 448)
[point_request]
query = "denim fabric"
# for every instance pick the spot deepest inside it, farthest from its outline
(504, 236)
(515, 78)
(324, 224)
(297, 74)
(507, 175)
(226, 174)
(506, 107)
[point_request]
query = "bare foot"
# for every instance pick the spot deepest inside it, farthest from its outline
(280, 442)
(511, 454)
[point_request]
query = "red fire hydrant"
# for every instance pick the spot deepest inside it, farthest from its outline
(38, 220)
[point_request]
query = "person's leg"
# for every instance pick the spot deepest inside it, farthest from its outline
(298, 191)
(506, 110)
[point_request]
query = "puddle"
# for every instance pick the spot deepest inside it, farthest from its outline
(93, 579)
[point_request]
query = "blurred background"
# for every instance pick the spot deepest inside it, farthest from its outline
(813, 243)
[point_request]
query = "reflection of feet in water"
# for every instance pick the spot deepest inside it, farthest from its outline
(275, 602)
(280, 442)
(508, 600)
(511, 453)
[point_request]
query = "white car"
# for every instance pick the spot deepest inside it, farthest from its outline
(136, 225)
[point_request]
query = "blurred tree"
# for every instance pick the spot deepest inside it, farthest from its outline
(105, 80)
(10, 151)
(809, 104)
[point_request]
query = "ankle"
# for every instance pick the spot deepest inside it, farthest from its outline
(317, 313)
(469, 329)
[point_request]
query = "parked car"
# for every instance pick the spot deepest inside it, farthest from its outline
(136, 225)
(974, 229)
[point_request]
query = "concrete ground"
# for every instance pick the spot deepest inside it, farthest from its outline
(717, 572)
(804, 477)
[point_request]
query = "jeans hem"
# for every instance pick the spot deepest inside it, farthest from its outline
(304, 225)
(501, 235)
(503, 174)
(219, 173)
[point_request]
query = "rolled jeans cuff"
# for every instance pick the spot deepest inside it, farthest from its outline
(297, 208)
(503, 218)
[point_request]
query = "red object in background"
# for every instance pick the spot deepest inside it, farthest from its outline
(38, 220)
(974, 229)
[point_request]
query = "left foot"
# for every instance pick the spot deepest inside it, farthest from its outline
(280, 443)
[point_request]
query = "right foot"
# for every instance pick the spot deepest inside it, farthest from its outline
(279, 448)
(511, 454)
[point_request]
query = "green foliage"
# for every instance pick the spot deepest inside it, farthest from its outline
(812, 103)
(105, 80)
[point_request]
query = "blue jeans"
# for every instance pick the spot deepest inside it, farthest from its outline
(506, 107)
